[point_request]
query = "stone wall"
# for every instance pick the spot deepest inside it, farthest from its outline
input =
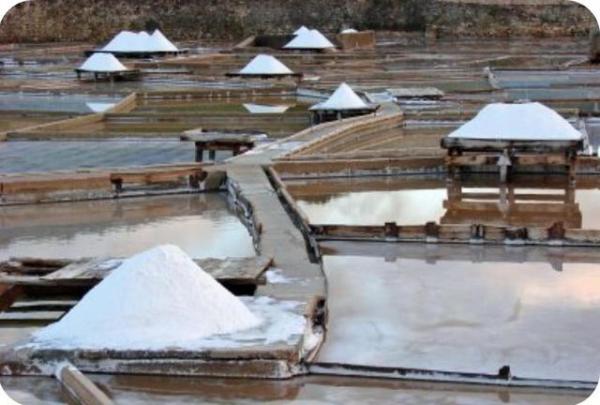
(98, 20)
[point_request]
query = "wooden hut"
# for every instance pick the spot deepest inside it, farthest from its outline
(343, 103)
(509, 135)
(105, 66)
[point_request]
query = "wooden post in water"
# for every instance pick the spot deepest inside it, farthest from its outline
(80, 387)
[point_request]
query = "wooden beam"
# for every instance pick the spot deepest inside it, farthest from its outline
(80, 387)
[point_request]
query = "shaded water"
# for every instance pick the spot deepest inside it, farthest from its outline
(313, 390)
(201, 225)
(472, 310)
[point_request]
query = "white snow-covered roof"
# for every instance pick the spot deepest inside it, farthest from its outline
(102, 62)
(311, 39)
(522, 122)
(301, 30)
(265, 64)
(128, 41)
(265, 109)
(343, 98)
(349, 31)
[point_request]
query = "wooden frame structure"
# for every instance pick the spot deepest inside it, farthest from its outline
(509, 153)
(266, 76)
(131, 74)
(318, 116)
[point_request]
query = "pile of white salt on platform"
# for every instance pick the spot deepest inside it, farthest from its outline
(157, 299)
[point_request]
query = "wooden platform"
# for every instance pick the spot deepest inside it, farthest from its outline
(234, 273)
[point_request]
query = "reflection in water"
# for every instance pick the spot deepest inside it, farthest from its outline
(200, 224)
(416, 202)
(458, 315)
(314, 390)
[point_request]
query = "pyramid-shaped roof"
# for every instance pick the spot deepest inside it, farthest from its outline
(311, 39)
(523, 122)
(301, 30)
(157, 42)
(102, 62)
(265, 65)
(128, 41)
(344, 98)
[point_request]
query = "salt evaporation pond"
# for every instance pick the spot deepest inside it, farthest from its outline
(72, 103)
(411, 201)
(202, 225)
(43, 156)
(465, 309)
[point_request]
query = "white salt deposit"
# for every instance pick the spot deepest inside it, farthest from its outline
(344, 98)
(301, 30)
(310, 39)
(127, 41)
(157, 42)
(265, 64)
(157, 299)
(99, 107)
(524, 122)
(265, 109)
(102, 62)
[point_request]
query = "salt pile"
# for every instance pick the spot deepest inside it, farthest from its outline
(265, 64)
(157, 299)
(142, 42)
(301, 30)
(343, 98)
(527, 121)
(102, 62)
(310, 39)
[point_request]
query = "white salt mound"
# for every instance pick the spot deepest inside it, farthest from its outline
(343, 98)
(309, 39)
(128, 41)
(156, 299)
(301, 30)
(265, 64)
(527, 121)
(102, 62)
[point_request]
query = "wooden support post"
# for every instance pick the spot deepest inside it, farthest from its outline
(212, 154)
(83, 390)
(8, 295)
(199, 152)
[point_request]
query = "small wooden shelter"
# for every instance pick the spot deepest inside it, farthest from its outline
(509, 135)
(104, 66)
(265, 67)
(343, 103)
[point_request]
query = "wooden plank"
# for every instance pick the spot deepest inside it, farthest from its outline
(80, 387)
(88, 272)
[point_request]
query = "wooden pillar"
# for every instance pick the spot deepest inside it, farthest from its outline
(199, 152)
(212, 154)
